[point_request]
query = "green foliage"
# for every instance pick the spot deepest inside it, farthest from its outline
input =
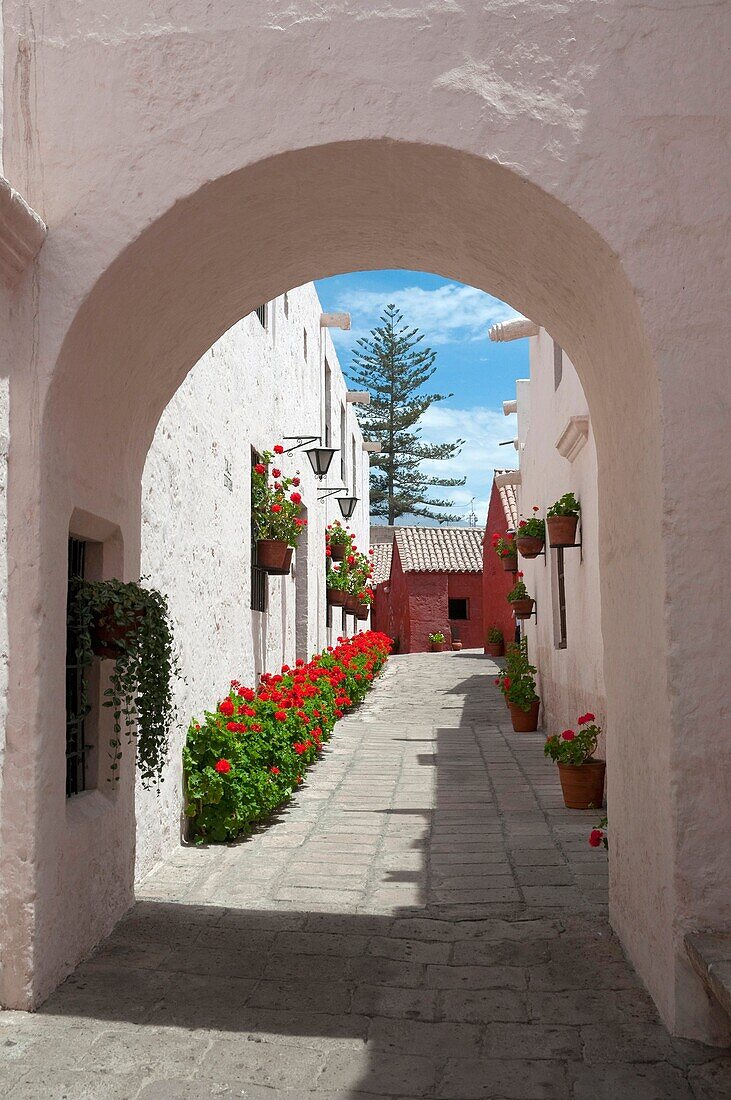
(568, 505)
(393, 367)
(140, 684)
(504, 546)
(495, 636)
(574, 747)
(437, 638)
(337, 535)
(517, 679)
(275, 501)
(518, 591)
(352, 575)
(247, 757)
(532, 527)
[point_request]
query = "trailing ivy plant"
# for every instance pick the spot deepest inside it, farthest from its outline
(136, 625)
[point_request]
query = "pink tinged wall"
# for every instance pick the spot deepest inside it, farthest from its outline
(188, 190)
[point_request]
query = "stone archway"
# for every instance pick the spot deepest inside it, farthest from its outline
(163, 251)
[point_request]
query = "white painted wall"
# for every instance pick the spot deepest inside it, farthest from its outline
(571, 680)
(253, 387)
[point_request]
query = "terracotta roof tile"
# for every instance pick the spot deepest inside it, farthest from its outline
(382, 554)
(440, 549)
(509, 501)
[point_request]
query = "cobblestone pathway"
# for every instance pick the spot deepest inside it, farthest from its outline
(426, 920)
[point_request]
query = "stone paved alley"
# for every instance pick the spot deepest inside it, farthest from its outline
(424, 920)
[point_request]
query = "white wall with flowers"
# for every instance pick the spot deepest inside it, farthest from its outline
(255, 386)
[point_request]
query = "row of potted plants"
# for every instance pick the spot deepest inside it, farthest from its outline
(349, 572)
(530, 538)
(517, 683)
(248, 755)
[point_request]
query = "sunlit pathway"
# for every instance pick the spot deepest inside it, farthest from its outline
(425, 920)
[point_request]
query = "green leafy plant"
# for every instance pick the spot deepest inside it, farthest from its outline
(517, 679)
(574, 747)
(136, 622)
(534, 527)
(276, 502)
(568, 505)
(338, 577)
(504, 546)
(495, 636)
(518, 591)
(437, 638)
(337, 535)
(248, 755)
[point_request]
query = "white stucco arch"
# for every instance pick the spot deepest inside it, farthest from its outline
(262, 150)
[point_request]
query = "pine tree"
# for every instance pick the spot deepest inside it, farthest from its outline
(392, 366)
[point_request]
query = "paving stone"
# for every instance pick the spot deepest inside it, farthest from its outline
(512, 1080)
(418, 1037)
(648, 1082)
(384, 1074)
(475, 977)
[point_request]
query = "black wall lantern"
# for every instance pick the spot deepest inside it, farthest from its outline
(347, 506)
(320, 459)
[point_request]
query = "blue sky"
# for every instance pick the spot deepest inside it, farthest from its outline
(480, 374)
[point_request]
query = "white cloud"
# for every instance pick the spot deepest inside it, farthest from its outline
(483, 429)
(448, 313)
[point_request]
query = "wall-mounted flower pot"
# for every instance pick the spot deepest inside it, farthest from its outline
(337, 551)
(562, 530)
(510, 563)
(438, 647)
(523, 609)
(495, 649)
(582, 784)
(284, 571)
(362, 613)
(336, 598)
(529, 546)
(352, 603)
(524, 721)
(107, 635)
(271, 554)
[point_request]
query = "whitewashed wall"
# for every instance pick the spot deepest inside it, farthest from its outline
(252, 388)
(571, 680)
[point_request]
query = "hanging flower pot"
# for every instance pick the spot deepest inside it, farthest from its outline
(504, 547)
(510, 563)
(523, 609)
(524, 721)
(581, 776)
(362, 613)
(108, 637)
(529, 546)
(285, 570)
(336, 597)
(338, 541)
(271, 555)
(337, 551)
(562, 519)
(582, 784)
(352, 603)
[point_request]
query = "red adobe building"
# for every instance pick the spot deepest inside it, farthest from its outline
(428, 579)
(502, 516)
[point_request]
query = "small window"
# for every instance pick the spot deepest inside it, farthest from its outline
(328, 404)
(459, 609)
(343, 452)
(76, 711)
(258, 575)
(285, 303)
(304, 342)
(557, 365)
(559, 599)
(261, 313)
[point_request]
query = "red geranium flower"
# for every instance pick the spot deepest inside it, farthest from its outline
(222, 766)
(296, 498)
(276, 508)
(588, 717)
(568, 735)
(522, 523)
(274, 771)
(279, 449)
(536, 508)
(226, 707)
(276, 473)
(595, 837)
(295, 481)
(280, 715)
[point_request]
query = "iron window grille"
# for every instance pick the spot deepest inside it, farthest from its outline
(561, 642)
(76, 714)
(557, 365)
(258, 575)
(261, 313)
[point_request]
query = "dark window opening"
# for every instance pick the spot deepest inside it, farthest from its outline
(328, 404)
(258, 575)
(458, 609)
(286, 304)
(304, 342)
(261, 313)
(76, 710)
(561, 639)
(557, 365)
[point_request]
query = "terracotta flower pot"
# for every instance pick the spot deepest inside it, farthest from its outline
(362, 613)
(284, 571)
(107, 634)
(437, 647)
(456, 646)
(337, 551)
(352, 603)
(562, 530)
(524, 721)
(495, 649)
(529, 546)
(582, 784)
(523, 609)
(336, 598)
(510, 563)
(271, 554)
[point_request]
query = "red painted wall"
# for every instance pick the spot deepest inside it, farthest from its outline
(468, 586)
(496, 582)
